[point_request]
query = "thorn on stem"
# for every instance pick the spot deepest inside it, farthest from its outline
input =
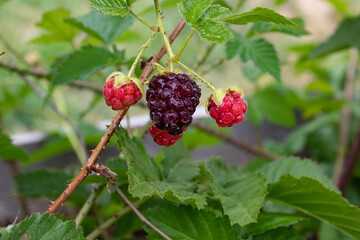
(2, 53)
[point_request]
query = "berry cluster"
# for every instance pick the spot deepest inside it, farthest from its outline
(172, 100)
(227, 107)
(121, 91)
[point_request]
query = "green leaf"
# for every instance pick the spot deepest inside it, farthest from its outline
(118, 166)
(213, 32)
(145, 177)
(297, 139)
(192, 10)
(241, 199)
(112, 7)
(8, 151)
(187, 223)
(269, 221)
(341, 6)
(58, 30)
(81, 64)
(103, 27)
(345, 36)
(44, 227)
(177, 165)
(42, 183)
(195, 138)
(252, 72)
(280, 234)
(263, 27)
(260, 51)
(257, 15)
(312, 197)
(272, 105)
(298, 168)
(215, 12)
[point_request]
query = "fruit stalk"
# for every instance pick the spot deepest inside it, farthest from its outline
(142, 50)
(165, 38)
(196, 74)
(184, 45)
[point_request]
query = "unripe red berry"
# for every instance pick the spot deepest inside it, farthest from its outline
(227, 107)
(121, 91)
(163, 138)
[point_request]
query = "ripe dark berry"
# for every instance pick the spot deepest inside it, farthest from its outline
(172, 100)
(227, 107)
(163, 138)
(120, 91)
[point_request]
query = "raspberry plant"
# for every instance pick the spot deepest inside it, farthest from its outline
(285, 192)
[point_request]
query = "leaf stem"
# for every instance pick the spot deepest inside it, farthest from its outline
(184, 45)
(142, 20)
(142, 50)
(197, 75)
(162, 30)
(136, 211)
(113, 219)
(88, 204)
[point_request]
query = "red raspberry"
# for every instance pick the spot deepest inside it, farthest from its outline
(163, 138)
(227, 107)
(120, 91)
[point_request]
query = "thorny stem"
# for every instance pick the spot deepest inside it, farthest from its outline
(162, 30)
(141, 20)
(2, 53)
(346, 115)
(236, 142)
(178, 55)
(137, 212)
(113, 219)
(197, 75)
(111, 129)
(142, 50)
(97, 189)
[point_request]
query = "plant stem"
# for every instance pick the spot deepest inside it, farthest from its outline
(345, 115)
(136, 211)
(165, 38)
(67, 123)
(113, 219)
(110, 131)
(212, 67)
(184, 45)
(236, 142)
(141, 20)
(80, 84)
(197, 75)
(351, 161)
(208, 50)
(2, 53)
(142, 50)
(88, 204)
